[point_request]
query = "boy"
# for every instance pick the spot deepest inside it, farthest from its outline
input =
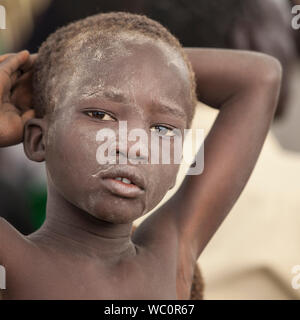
(89, 76)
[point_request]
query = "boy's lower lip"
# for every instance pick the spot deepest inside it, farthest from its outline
(122, 189)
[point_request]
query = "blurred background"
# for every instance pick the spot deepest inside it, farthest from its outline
(252, 254)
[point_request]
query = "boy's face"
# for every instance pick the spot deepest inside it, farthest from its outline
(143, 83)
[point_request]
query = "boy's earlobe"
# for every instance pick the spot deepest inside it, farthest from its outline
(33, 142)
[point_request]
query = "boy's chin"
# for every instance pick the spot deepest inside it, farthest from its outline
(119, 212)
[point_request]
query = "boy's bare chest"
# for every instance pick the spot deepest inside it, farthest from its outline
(49, 279)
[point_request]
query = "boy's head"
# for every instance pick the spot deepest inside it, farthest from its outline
(89, 76)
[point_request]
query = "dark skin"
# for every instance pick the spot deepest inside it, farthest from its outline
(85, 250)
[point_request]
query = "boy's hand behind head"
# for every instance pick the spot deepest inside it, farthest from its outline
(15, 96)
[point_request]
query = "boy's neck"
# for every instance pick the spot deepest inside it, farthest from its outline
(69, 227)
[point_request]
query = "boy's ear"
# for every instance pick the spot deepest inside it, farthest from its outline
(33, 142)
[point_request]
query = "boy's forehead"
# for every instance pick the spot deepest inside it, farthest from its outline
(126, 45)
(132, 65)
(131, 55)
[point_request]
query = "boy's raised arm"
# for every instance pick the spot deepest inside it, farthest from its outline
(15, 103)
(245, 87)
(15, 96)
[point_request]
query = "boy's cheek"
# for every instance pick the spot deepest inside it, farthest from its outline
(162, 179)
(72, 142)
(71, 157)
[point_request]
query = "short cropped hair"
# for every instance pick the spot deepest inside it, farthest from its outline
(54, 54)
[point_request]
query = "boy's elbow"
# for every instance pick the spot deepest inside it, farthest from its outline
(266, 79)
(270, 72)
(273, 70)
(272, 77)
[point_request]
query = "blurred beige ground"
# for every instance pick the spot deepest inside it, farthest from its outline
(252, 254)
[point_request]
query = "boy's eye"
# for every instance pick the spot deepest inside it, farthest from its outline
(99, 115)
(163, 130)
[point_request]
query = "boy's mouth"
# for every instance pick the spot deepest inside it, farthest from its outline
(125, 182)
(120, 188)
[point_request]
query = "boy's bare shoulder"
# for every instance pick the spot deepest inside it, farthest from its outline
(6, 228)
(4, 231)
(10, 239)
(8, 232)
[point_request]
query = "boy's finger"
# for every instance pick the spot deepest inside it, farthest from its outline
(14, 77)
(13, 63)
(8, 85)
(27, 115)
(11, 128)
(5, 56)
(29, 63)
(21, 92)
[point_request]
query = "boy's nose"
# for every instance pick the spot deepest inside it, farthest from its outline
(132, 144)
(131, 152)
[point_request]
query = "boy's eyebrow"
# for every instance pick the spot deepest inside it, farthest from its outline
(112, 93)
(116, 95)
(165, 105)
(169, 106)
